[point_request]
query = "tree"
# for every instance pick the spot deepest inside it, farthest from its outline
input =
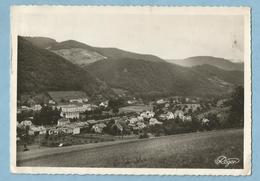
(24, 115)
(236, 116)
(115, 110)
(213, 121)
(195, 123)
(190, 111)
(114, 104)
(157, 129)
(47, 116)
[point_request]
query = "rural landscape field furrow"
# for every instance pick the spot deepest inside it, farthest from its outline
(195, 150)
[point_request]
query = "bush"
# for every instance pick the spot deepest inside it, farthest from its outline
(143, 135)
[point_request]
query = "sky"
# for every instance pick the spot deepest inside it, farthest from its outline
(169, 34)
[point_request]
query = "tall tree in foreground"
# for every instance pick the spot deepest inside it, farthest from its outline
(236, 117)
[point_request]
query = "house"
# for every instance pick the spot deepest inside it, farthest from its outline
(36, 107)
(109, 112)
(53, 131)
(163, 117)
(42, 130)
(154, 121)
(167, 105)
(52, 102)
(24, 124)
(122, 126)
(118, 125)
(80, 124)
(187, 118)
(205, 121)
(63, 121)
(19, 110)
(92, 121)
(140, 125)
(25, 108)
(179, 113)
(187, 99)
(104, 104)
(38, 129)
(147, 114)
(66, 130)
(30, 132)
(170, 115)
(140, 118)
(87, 107)
(72, 110)
(98, 128)
(161, 101)
(76, 130)
(69, 111)
(131, 101)
(79, 100)
(133, 120)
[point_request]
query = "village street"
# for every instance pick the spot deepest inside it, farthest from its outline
(197, 150)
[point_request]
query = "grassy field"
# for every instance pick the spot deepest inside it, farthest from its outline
(135, 108)
(193, 150)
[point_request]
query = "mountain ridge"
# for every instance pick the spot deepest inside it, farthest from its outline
(40, 70)
(115, 68)
(143, 77)
(222, 63)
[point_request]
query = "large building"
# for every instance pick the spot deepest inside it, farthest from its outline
(73, 111)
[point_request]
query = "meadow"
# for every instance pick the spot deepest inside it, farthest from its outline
(135, 108)
(192, 150)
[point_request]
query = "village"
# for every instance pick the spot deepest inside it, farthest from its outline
(70, 118)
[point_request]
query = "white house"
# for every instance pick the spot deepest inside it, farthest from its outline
(179, 113)
(147, 114)
(51, 102)
(161, 101)
(133, 120)
(24, 124)
(63, 121)
(76, 130)
(140, 118)
(98, 128)
(205, 121)
(39, 129)
(187, 118)
(104, 104)
(140, 125)
(36, 107)
(170, 115)
(167, 105)
(79, 100)
(73, 111)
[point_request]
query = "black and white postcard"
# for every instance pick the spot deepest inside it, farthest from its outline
(137, 90)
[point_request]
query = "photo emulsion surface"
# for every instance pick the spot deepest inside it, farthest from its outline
(131, 90)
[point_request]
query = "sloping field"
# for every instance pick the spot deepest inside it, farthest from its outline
(194, 150)
(135, 108)
(57, 96)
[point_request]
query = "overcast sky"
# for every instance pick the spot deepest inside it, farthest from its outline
(167, 35)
